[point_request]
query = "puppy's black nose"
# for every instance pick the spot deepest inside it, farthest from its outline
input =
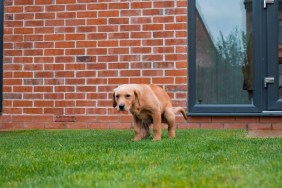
(121, 106)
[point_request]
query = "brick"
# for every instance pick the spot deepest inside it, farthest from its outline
(141, 5)
(64, 15)
(152, 73)
(111, 13)
(53, 52)
(23, 30)
(118, 5)
(130, 58)
(75, 36)
(175, 72)
(54, 37)
(52, 111)
(44, 15)
(152, 27)
(163, 19)
(34, 9)
(118, 20)
(64, 44)
(140, 80)
(259, 126)
(223, 119)
(129, 13)
(140, 34)
(130, 43)
(32, 111)
(164, 50)
(270, 119)
(54, 8)
(152, 12)
(54, 23)
(152, 42)
(175, 42)
(76, 7)
(152, 58)
(132, 73)
(118, 80)
(188, 125)
(163, 65)
(235, 125)
(76, 125)
(86, 44)
(108, 28)
(277, 126)
(118, 35)
(96, 111)
(23, 45)
(118, 51)
(97, 6)
(97, 21)
(175, 26)
(141, 50)
(108, 43)
(65, 1)
(87, 14)
(65, 30)
(43, 2)
(98, 125)
(83, 29)
(163, 80)
(65, 59)
(109, 58)
(212, 125)
(75, 51)
(177, 11)
(75, 22)
(140, 20)
(33, 37)
(23, 2)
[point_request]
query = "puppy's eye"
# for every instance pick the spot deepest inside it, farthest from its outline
(117, 96)
(127, 96)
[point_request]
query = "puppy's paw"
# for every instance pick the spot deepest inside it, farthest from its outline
(136, 138)
(156, 138)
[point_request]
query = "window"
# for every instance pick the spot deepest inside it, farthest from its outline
(235, 57)
(1, 52)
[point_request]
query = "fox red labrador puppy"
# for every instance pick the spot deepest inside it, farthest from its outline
(149, 104)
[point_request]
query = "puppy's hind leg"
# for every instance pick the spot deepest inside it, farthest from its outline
(169, 117)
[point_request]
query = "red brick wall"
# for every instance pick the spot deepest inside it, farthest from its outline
(62, 59)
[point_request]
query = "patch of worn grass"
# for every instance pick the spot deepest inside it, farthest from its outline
(91, 158)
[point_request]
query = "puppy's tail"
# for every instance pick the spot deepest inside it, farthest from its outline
(176, 110)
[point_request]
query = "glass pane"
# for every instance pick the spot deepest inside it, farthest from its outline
(224, 52)
(280, 47)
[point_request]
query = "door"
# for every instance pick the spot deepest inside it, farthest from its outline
(235, 57)
(273, 77)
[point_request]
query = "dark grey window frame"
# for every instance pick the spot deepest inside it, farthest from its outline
(1, 53)
(261, 96)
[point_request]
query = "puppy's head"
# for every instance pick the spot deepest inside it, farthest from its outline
(124, 97)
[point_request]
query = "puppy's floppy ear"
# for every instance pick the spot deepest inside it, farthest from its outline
(114, 99)
(137, 94)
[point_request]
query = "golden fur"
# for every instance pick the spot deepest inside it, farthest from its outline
(149, 104)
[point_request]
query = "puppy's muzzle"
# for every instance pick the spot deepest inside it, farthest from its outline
(121, 107)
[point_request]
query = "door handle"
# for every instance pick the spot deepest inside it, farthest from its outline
(265, 2)
(268, 80)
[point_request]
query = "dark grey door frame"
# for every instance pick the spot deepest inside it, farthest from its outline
(274, 102)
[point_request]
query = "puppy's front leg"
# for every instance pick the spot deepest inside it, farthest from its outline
(157, 126)
(137, 123)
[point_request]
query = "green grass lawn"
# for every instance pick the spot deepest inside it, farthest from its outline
(91, 158)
